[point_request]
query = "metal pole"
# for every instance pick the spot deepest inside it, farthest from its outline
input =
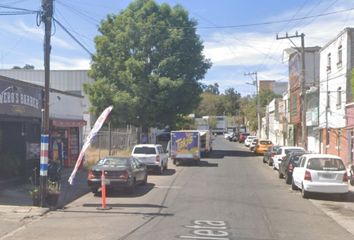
(327, 108)
(259, 123)
(303, 93)
(47, 6)
(110, 138)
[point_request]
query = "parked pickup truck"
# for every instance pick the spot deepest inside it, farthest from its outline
(152, 155)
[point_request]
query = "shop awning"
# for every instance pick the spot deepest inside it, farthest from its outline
(68, 122)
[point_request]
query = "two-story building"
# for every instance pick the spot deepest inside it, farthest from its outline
(335, 108)
(295, 86)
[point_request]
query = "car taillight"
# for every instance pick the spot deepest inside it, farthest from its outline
(157, 158)
(290, 167)
(273, 154)
(308, 176)
(345, 177)
(124, 175)
(90, 175)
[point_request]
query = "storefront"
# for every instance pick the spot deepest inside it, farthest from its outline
(20, 118)
(65, 140)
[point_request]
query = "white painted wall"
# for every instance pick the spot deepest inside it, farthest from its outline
(63, 106)
(331, 80)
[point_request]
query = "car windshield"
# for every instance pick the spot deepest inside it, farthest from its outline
(114, 162)
(288, 151)
(325, 164)
(144, 150)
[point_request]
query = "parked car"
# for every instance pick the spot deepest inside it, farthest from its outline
(269, 154)
(262, 146)
(242, 137)
(253, 144)
(152, 155)
(249, 139)
(287, 166)
(320, 173)
(281, 154)
(120, 173)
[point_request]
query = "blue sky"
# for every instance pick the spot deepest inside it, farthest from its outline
(233, 50)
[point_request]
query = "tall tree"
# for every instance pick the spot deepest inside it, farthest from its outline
(148, 64)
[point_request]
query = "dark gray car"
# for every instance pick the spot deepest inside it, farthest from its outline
(120, 173)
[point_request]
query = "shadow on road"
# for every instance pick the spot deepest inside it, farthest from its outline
(167, 172)
(231, 153)
(202, 163)
(139, 191)
(333, 197)
(118, 205)
(112, 211)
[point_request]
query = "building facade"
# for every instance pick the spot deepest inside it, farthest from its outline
(336, 95)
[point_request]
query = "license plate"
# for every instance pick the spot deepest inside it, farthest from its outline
(327, 175)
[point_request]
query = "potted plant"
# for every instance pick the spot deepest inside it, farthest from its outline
(53, 193)
(34, 192)
(36, 196)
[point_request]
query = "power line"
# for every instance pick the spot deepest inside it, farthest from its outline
(73, 37)
(273, 22)
(18, 9)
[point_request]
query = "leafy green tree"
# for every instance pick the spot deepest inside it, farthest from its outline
(232, 102)
(212, 88)
(148, 64)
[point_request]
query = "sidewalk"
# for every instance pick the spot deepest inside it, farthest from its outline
(16, 200)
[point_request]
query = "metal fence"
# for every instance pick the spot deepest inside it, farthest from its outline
(115, 140)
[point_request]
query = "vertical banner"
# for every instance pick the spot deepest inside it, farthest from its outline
(44, 155)
(98, 124)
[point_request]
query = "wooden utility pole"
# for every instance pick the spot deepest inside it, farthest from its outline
(302, 85)
(46, 18)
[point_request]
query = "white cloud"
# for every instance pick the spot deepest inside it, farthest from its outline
(20, 28)
(63, 63)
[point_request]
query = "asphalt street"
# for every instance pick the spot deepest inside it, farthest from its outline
(231, 195)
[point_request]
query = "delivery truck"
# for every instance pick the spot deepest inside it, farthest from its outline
(185, 146)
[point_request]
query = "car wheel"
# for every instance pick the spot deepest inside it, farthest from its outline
(280, 175)
(166, 165)
(270, 163)
(131, 188)
(293, 186)
(287, 179)
(160, 171)
(264, 160)
(145, 179)
(304, 193)
(94, 190)
(343, 197)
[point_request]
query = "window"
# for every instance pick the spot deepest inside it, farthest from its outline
(329, 62)
(339, 63)
(339, 97)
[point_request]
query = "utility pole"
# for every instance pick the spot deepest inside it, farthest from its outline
(255, 82)
(302, 84)
(46, 18)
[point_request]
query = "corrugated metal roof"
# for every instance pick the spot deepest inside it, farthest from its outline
(65, 80)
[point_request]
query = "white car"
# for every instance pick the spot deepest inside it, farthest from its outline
(253, 144)
(249, 139)
(281, 154)
(320, 173)
(152, 155)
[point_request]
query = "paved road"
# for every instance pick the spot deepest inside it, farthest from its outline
(232, 195)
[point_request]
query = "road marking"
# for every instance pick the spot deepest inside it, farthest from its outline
(208, 230)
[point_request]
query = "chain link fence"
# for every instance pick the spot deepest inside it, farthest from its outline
(114, 142)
